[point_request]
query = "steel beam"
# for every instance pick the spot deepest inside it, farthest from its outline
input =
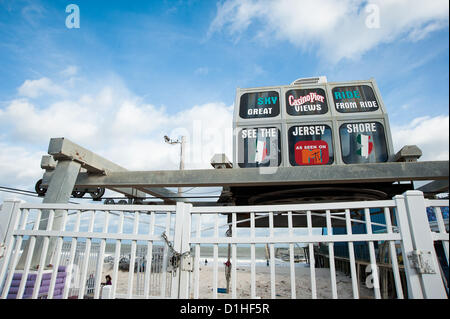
(59, 191)
(435, 187)
(303, 175)
(63, 149)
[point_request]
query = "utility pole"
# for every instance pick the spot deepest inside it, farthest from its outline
(182, 143)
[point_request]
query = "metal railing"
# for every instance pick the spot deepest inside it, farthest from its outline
(72, 257)
(342, 212)
(79, 249)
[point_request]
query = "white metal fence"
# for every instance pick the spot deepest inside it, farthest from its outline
(240, 244)
(439, 234)
(87, 234)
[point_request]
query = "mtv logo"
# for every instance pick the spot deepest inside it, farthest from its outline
(311, 153)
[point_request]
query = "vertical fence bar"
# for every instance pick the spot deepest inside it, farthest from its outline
(331, 256)
(312, 261)
(216, 252)
(9, 213)
(234, 257)
(272, 258)
(163, 286)
(412, 277)
(177, 241)
(73, 247)
(133, 256)
(432, 285)
(15, 258)
(86, 257)
(291, 257)
(117, 256)
(57, 256)
(351, 253)
(10, 216)
(197, 259)
(373, 259)
(393, 255)
(37, 283)
(99, 271)
(149, 262)
(27, 265)
(252, 257)
(442, 230)
(185, 248)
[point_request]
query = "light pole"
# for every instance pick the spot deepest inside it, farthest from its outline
(182, 143)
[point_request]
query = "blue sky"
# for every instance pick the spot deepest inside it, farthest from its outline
(136, 70)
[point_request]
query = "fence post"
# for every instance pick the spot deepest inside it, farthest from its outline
(185, 247)
(412, 277)
(432, 284)
(177, 238)
(9, 220)
(9, 210)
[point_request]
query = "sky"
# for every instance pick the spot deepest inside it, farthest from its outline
(134, 71)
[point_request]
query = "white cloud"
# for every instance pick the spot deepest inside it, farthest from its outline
(36, 88)
(335, 29)
(19, 167)
(111, 122)
(71, 70)
(430, 134)
(34, 124)
(120, 126)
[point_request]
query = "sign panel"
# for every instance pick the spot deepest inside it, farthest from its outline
(358, 98)
(310, 145)
(259, 147)
(259, 105)
(306, 102)
(363, 143)
(308, 118)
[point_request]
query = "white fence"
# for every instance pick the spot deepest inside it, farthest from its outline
(243, 238)
(88, 230)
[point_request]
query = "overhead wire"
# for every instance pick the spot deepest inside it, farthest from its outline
(34, 194)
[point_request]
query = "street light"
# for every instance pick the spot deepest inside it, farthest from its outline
(182, 143)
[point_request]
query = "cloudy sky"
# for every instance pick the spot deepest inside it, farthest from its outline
(134, 71)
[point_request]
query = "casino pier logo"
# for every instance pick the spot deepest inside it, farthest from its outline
(365, 145)
(304, 103)
(311, 153)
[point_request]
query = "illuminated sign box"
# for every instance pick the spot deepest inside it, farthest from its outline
(310, 101)
(259, 105)
(351, 99)
(262, 104)
(259, 146)
(310, 144)
(363, 142)
(324, 124)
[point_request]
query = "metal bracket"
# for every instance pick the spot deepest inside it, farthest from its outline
(422, 261)
(187, 262)
(176, 259)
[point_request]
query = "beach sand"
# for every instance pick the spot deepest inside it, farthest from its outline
(282, 283)
(243, 273)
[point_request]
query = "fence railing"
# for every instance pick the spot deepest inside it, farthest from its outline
(66, 251)
(332, 212)
(439, 233)
(86, 235)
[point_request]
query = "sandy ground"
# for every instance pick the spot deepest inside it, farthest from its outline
(262, 280)
(282, 283)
